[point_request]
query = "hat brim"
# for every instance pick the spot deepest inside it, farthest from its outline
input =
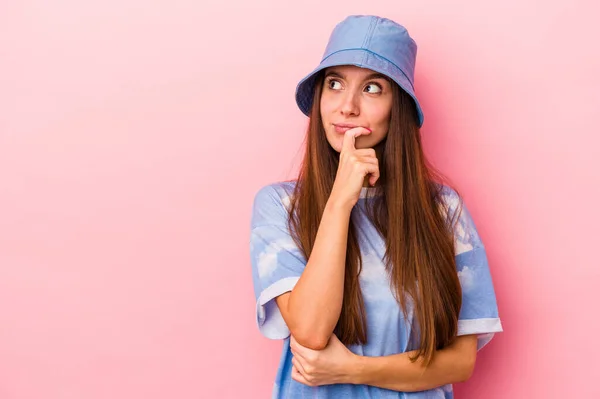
(361, 58)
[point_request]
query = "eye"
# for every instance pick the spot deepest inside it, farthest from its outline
(374, 88)
(334, 84)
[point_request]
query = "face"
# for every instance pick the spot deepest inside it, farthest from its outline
(351, 97)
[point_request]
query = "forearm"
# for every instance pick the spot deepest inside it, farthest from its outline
(316, 300)
(452, 364)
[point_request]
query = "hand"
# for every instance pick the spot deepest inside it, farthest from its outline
(331, 365)
(353, 167)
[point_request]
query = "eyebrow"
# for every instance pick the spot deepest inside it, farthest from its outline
(369, 77)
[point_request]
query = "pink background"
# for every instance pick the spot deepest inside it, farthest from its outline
(134, 134)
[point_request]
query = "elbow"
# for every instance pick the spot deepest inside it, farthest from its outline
(316, 345)
(467, 370)
(311, 340)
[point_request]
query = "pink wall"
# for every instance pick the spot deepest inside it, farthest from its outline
(128, 128)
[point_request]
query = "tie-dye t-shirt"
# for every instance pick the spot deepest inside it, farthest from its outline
(277, 264)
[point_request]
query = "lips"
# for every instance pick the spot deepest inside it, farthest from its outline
(348, 125)
(343, 127)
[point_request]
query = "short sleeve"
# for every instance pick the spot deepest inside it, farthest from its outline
(277, 261)
(479, 310)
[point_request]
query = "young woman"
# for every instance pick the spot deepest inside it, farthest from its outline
(367, 266)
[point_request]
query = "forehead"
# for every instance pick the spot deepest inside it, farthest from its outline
(354, 72)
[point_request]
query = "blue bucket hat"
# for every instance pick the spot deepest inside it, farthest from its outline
(371, 42)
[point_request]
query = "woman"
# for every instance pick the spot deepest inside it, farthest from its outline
(367, 265)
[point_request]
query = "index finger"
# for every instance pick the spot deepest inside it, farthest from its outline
(350, 138)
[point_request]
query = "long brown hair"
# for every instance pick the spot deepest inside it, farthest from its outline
(419, 241)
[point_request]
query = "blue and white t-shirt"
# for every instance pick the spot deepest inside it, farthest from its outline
(277, 264)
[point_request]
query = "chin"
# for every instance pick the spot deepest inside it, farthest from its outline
(337, 144)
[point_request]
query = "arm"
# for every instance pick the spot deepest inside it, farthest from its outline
(312, 309)
(452, 364)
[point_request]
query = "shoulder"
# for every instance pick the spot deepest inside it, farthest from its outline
(460, 219)
(271, 202)
(451, 202)
(278, 192)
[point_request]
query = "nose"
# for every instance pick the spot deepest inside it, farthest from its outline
(350, 104)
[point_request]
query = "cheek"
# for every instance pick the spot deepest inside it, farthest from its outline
(382, 120)
(325, 107)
